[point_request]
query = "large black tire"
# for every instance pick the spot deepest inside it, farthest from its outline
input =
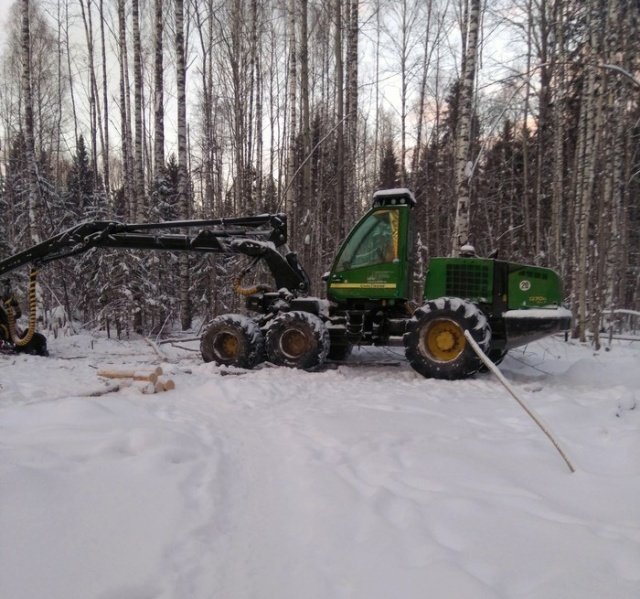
(36, 347)
(233, 340)
(298, 340)
(435, 344)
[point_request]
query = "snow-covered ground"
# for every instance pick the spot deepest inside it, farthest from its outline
(361, 481)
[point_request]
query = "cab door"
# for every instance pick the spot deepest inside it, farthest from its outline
(372, 262)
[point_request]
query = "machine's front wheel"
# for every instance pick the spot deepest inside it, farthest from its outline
(37, 346)
(435, 344)
(233, 340)
(297, 339)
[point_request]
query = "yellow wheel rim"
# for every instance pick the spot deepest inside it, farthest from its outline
(293, 343)
(226, 346)
(444, 340)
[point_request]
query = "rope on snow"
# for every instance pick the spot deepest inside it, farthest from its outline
(493, 368)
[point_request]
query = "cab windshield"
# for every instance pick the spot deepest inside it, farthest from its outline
(374, 242)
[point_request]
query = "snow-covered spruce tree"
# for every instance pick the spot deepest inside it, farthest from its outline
(500, 185)
(16, 190)
(162, 282)
(81, 186)
(388, 177)
(85, 201)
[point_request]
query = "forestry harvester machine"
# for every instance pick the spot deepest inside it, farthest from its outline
(503, 305)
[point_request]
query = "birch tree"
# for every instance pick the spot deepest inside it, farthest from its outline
(339, 94)
(158, 96)
(33, 200)
(138, 160)
(183, 180)
(463, 134)
(125, 122)
(105, 103)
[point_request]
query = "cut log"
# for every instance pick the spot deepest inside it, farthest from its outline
(136, 375)
(168, 385)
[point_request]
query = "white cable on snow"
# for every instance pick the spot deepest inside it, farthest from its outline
(493, 368)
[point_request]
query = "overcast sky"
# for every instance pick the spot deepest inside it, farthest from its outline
(5, 5)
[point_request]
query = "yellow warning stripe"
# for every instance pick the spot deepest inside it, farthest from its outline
(363, 285)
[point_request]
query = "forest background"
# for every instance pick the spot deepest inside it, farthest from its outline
(151, 110)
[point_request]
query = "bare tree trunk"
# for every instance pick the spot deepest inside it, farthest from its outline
(256, 39)
(463, 136)
(239, 99)
(94, 106)
(158, 138)
(139, 134)
(352, 111)
(205, 34)
(293, 112)
(71, 92)
(304, 97)
(33, 201)
(376, 135)
(422, 97)
(544, 136)
(526, 205)
(611, 176)
(340, 195)
(587, 173)
(407, 16)
(125, 125)
(59, 94)
(183, 182)
(558, 258)
(105, 102)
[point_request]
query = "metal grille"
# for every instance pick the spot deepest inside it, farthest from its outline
(535, 274)
(468, 281)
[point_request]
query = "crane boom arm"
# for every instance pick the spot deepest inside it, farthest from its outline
(254, 236)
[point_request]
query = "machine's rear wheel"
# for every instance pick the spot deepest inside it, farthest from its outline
(435, 344)
(297, 339)
(233, 340)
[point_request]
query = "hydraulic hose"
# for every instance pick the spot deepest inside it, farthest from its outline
(246, 291)
(11, 315)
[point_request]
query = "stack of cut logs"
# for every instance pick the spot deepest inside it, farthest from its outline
(154, 381)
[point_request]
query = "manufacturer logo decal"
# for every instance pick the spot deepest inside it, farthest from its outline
(363, 285)
(525, 285)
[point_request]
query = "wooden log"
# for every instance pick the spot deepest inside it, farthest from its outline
(136, 375)
(168, 385)
(162, 386)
